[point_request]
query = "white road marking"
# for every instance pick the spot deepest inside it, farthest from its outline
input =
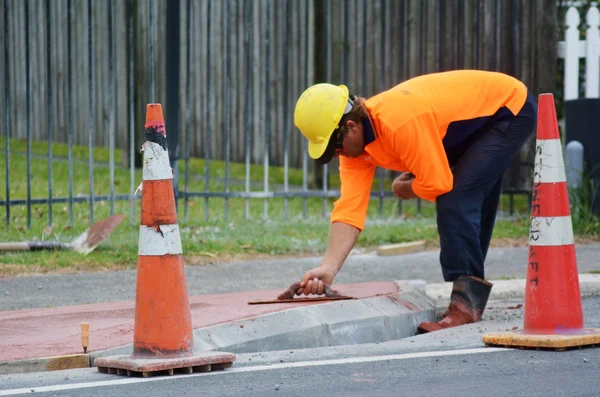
(301, 364)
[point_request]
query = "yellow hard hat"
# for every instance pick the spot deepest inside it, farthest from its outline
(318, 113)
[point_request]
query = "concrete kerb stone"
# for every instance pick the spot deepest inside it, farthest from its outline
(369, 320)
(55, 363)
(504, 290)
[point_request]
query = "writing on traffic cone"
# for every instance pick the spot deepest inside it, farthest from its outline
(553, 316)
(163, 337)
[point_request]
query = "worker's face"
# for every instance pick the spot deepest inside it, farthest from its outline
(351, 144)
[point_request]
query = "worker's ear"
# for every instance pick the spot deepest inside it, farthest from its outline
(351, 127)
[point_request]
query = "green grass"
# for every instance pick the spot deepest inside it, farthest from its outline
(582, 201)
(203, 240)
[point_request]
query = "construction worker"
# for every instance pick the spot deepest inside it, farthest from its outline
(452, 135)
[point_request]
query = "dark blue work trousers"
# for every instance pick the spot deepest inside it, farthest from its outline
(466, 214)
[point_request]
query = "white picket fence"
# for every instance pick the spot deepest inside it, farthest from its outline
(572, 49)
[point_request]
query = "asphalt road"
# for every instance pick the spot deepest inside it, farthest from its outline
(452, 362)
(61, 290)
(514, 373)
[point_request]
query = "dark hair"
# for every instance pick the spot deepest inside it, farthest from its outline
(357, 114)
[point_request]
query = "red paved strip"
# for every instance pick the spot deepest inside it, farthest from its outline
(37, 333)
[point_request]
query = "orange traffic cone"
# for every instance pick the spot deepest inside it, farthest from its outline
(163, 336)
(553, 313)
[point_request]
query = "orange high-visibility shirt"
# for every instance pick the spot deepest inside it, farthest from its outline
(422, 126)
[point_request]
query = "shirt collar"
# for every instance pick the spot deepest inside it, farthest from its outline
(368, 131)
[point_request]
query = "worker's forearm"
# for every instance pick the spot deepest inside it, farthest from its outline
(342, 238)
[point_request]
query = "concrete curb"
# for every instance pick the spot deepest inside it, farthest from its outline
(369, 320)
(42, 364)
(589, 285)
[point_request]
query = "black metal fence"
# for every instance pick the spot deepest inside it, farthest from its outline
(228, 72)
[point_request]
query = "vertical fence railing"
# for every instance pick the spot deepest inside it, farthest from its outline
(228, 105)
(248, 104)
(49, 107)
(476, 23)
(327, 61)
(423, 12)
(172, 98)
(91, 126)
(305, 82)
(383, 83)
(267, 40)
(152, 59)
(7, 113)
(111, 109)
(207, 126)
(401, 62)
(496, 14)
(188, 105)
(130, 68)
(70, 109)
(28, 96)
(286, 126)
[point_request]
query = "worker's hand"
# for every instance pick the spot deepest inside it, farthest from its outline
(313, 281)
(405, 176)
(402, 186)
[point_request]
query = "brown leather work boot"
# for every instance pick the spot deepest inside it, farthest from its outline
(467, 303)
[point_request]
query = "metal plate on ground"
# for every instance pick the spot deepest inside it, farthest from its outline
(287, 296)
(301, 300)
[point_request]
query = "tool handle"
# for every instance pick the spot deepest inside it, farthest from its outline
(291, 291)
(14, 246)
(32, 246)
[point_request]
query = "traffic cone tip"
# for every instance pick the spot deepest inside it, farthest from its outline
(155, 119)
(547, 124)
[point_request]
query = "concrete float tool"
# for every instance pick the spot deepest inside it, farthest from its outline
(84, 244)
(288, 296)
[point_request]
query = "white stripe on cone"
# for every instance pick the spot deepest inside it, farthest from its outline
(551, 231)
(156, 163)
(549, 163)
(154, 243)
